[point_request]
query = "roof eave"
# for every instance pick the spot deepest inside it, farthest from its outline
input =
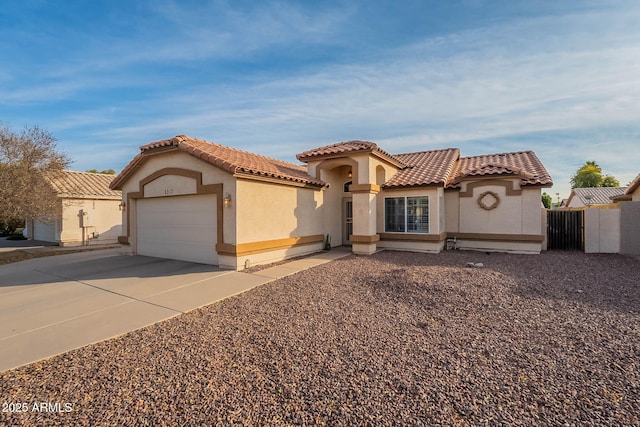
(371, 151)
(412, 186)
(279, 180)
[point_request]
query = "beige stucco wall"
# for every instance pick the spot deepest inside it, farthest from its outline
(170, 185)
(497, 246)
(515, 214)
(635, 196)
(601, 230)
(81, 218)
(451, 211)
(240, 262)
(267, 211)
(504, 219)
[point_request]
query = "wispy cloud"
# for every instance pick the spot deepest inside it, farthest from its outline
(565, 84)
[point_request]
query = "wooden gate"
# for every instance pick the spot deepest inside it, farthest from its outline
(565, 230)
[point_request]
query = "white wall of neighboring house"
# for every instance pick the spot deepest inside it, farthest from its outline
(575, 202)
(90, 221)
(45, 231)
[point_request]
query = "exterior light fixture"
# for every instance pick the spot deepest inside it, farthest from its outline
(349, 174)
(227, 200)
(122, 206)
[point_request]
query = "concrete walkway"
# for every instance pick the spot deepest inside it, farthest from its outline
(55, 304)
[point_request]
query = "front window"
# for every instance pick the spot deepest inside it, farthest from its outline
(406, 214)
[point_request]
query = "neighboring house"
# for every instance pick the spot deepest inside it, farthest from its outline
(193, 200)
(593, 196)
(87, 213)
(631, 193)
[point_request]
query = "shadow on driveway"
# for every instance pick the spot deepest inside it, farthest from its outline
(104, 265)
(54, 304)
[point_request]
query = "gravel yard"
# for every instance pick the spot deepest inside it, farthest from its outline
(391, 339)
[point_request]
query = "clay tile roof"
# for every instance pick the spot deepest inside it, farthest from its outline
(598, 195)
(229, 159)
(84, 185)
(523, 164)
(347, 147)
(425, 168)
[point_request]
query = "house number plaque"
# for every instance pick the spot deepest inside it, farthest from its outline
(488, 200)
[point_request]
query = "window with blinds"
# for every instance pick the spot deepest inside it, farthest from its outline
(406, 214)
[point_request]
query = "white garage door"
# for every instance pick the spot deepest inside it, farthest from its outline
(181, 227)
(45, 231)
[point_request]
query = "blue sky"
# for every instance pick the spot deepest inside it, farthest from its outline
(561, 78)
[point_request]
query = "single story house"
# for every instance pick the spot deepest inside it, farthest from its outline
(593, 196)
(87, 211)
(198, 201)
(631, 193)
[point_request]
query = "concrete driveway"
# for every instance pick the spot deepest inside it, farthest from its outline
(54, 304)
(11, 245)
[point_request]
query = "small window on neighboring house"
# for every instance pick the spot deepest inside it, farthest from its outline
(406, 214)
(347, 186)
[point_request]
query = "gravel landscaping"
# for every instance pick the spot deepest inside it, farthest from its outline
(392, 339)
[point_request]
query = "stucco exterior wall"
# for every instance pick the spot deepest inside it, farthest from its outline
(88, 221)
(247, 261)
(515, 214)
(635, 196)
(506, 218)
(630, 228)
(267, 211)
(451, 211)
(601, 230)
(515, 224)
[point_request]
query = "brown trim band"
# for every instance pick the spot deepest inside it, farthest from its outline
(529, 238)
(413, 237)
(356, 238)
(242, 249)
(508, 186)
(364, 188)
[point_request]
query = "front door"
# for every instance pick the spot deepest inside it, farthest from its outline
(347, 221)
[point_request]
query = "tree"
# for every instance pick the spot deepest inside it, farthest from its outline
(26, 158)
(106, 171)
(590, 175)
(547, 200)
